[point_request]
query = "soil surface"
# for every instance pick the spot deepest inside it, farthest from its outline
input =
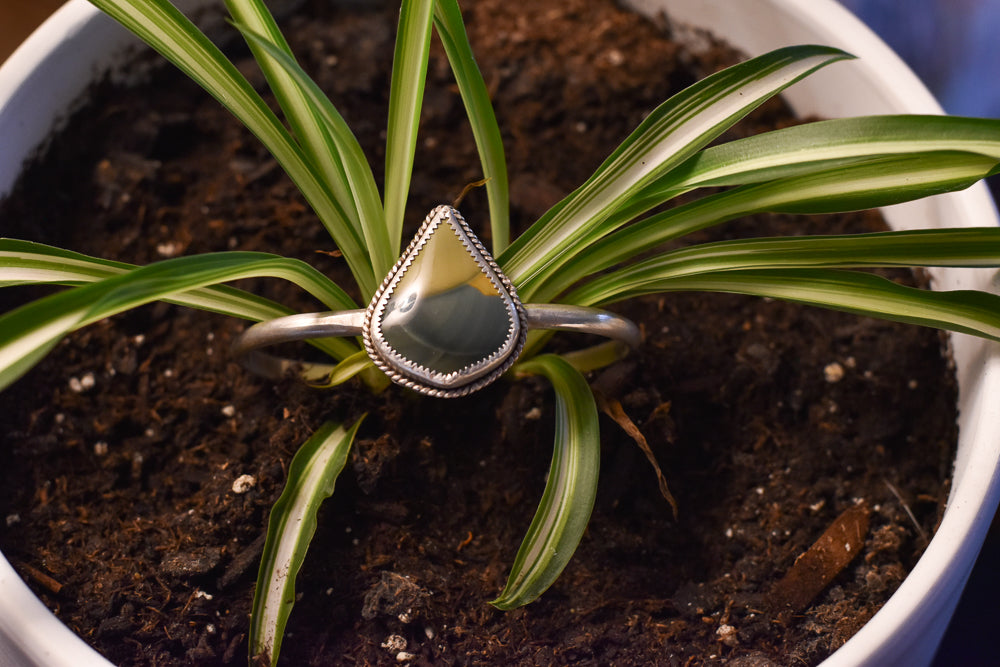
(774, 424)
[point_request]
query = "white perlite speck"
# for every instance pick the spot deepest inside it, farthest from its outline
(727, 635)
(833, 372)
(244, 483)
(394, 643)
(79, 385)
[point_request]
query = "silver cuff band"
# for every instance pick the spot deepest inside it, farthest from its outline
(346, 323)
(445, 322)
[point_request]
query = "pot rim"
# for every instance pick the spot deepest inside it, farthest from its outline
(80, 37)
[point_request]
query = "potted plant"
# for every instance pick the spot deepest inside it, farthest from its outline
(959, 353)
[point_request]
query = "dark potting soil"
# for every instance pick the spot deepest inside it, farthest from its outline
(773, 423)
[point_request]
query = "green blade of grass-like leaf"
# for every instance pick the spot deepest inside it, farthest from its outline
(667, 137)
(479, 108)
(963, 247)
(876, 182)
(318, 375)
(306, 124)
(329, 376)
(570, 490)
(813, 147)
(340, 142)
(30, 263)
(29, 332)
(406, 95)
(292, 524)
(27, 262)
(965, 311)
(170, 33)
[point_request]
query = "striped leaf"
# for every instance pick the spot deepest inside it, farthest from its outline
(406, 94)
(29, 332)
(965, 311)
(667, 137)
(812, 147)
(876, 182)
(306, 125)
(311, 479)
(969, 247)
(338, 141)
(479, 108)
(568, 499)
(170, 33)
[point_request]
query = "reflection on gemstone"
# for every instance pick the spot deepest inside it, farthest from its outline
(445, 317)
(447, 331)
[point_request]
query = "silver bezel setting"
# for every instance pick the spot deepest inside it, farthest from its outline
(474, 376)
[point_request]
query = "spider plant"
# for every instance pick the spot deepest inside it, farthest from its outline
(603, 243)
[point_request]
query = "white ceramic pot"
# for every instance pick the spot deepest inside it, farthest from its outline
(43, 80)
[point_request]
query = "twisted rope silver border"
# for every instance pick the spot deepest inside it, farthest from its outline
(415, 376)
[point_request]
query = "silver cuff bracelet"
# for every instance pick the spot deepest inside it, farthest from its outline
(445, 322)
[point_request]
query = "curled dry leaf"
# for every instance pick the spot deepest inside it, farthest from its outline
(614, 409)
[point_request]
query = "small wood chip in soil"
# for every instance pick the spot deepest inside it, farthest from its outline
(819, 564)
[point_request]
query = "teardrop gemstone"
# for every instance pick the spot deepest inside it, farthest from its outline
(446, 320)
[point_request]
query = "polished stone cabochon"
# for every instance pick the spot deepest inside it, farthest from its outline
(447, 312)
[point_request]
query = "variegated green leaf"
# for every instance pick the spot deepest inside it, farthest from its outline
(568, 499)
(479, 108)
(307, 125)
(29, 332)
(670, 134)
(311, 479)
(26, 263)
(968, 247)
(170, 33)
(325, 376)
(965, 311)
(813, 147)
(406, 94)
(869, 184)
(339, 141)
